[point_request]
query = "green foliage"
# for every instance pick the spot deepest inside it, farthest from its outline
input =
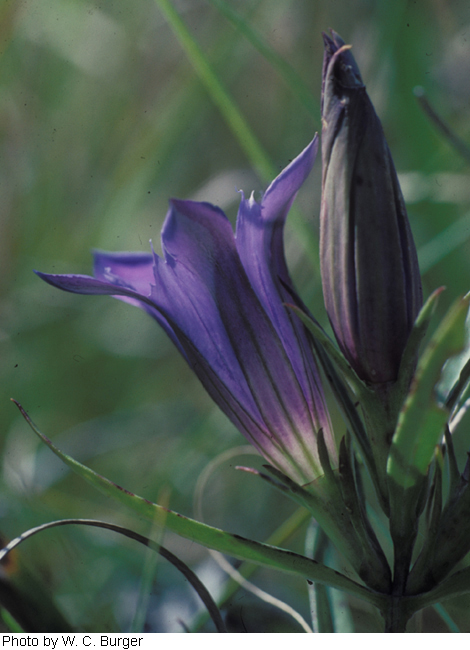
(422, 420)
(219, 540)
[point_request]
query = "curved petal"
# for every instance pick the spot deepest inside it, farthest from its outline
(85, 284)
(279, 196)
(261, 249)
(136, 269)
(184, 288)
(260, 228)
(112, 286)
(260, 245)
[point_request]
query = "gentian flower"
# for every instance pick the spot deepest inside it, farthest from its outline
(221, 299)
(370, 275)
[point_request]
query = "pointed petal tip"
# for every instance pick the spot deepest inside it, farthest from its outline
(66, 282)
(50, 278)
(83, 284)
(185, 207)
(284, 187)
(174, 205)
(250, 202)
(242, 195)
(172, 201)
(314, 143)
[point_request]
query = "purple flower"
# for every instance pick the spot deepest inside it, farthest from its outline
(370, 274)
(221, 299)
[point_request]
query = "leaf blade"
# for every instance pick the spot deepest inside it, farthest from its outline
(219, 540)
(422, 419)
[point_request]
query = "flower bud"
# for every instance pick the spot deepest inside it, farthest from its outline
(370, 274)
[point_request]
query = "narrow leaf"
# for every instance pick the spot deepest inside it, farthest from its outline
(458, 387)
(218, 93)
(341, 378)
(190, 576)
(246, 569)
(453, 468)
(330, 348)
(447, 618)
(457, 584)
(420, 327)
(219, 540)
(421, 421)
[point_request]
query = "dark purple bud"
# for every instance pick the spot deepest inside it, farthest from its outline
(370, 274)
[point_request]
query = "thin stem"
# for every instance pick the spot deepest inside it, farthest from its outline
(396, 616)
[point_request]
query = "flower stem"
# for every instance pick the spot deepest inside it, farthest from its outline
(396, 616)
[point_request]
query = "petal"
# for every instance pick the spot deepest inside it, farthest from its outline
(204, 292)
(135, 269)
(87, 285)
(260, 233)
(261, 249)
(280, 195)
(184, 287)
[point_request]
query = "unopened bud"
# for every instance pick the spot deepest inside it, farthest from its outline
(370, 274)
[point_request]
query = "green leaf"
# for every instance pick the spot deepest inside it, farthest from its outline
(420, 425)
(421, 421)
(219, 540)
(343, 380)
(458, 387)
(451, 460)
(10, 623)
(420, 327)
(190, 576)
(330, 348)
(457, 584)
(247, 569)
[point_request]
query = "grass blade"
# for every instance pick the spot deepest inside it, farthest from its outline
(219, 95)
(190, 576)
(282, 67)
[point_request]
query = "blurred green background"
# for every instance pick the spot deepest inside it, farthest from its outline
(105, 113)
